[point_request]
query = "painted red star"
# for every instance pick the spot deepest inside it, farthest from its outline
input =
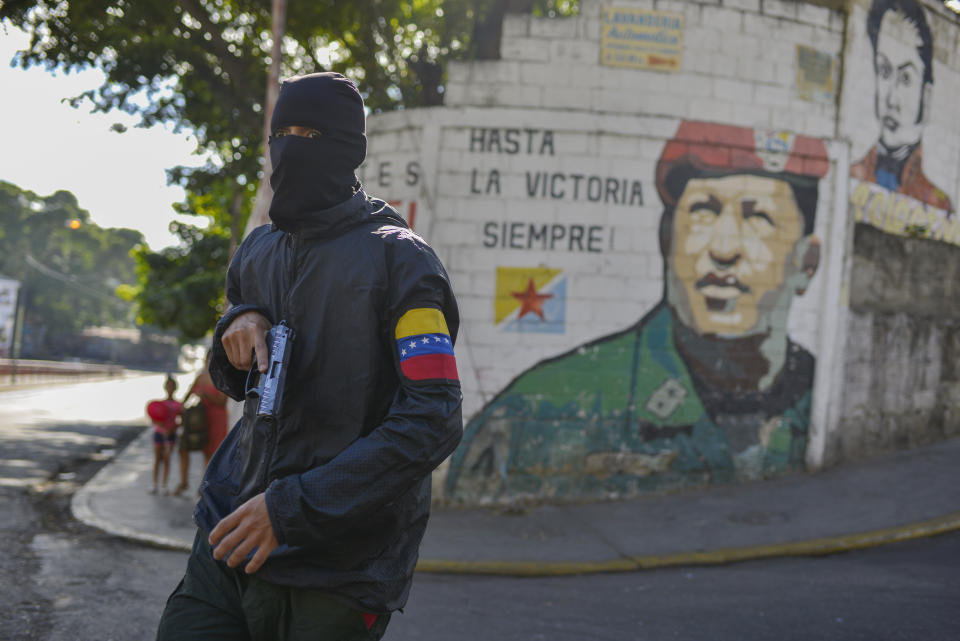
(530, 301)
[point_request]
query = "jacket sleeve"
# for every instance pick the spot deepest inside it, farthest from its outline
(227, 378)
(422, 427)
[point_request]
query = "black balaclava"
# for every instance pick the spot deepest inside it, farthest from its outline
(313, 174)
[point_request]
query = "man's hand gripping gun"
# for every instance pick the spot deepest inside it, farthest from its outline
(271, 383)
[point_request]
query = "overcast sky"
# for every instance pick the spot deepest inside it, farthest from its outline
(48, 145)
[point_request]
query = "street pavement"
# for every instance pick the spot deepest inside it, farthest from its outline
(895, 497)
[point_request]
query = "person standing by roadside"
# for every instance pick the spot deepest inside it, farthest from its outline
(310, 521)
(214, 404)
(165, 416)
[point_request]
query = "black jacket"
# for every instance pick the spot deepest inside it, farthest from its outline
(346, 466)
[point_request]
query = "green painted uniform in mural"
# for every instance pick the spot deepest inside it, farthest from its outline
(626, 414)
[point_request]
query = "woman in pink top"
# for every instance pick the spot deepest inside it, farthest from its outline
(165, 416)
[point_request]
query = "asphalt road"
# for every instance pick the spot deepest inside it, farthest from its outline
(63, 581)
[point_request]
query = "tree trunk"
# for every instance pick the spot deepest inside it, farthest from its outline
(261, 204)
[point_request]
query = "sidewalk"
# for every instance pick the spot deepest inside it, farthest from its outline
(896, 497)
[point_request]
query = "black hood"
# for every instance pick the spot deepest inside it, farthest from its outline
(357, 209)
(315, 174)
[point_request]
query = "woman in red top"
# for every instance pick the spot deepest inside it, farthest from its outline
(214, 404)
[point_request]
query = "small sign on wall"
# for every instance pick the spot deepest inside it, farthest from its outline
(641, 39)
(531, 299)
(815, 75)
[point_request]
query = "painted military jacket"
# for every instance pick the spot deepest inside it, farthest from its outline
(911, 180)
(624, 415)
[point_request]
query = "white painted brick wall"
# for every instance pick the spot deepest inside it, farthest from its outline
(749, 6)
(590, 28)
(567, 98)
(761, 25)
(771, 96)
(666, 105)
(758, 70)
(691, 9)
(689, 85)
(557, 28)
(739, 67)
(544, 74)
(838, 21)
(516, 25)
(731, 90)
(486, 72)
(710, 109)
(722, 19)
(524, 49)
(708, 39)
(814, 15)
(564, 51)
(782, 9)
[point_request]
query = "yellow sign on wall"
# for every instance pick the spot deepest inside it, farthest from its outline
(642, 39)
(815, 73)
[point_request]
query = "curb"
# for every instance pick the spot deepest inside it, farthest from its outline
(83, 512)
(812, 547)
(82, 509)
(81, 506)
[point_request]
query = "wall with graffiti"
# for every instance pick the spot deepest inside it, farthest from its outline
(901, 381)
(644, 211)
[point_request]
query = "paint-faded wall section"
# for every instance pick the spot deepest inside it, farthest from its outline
(902, 369)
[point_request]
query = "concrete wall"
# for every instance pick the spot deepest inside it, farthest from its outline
(645, 213)
(902, 378)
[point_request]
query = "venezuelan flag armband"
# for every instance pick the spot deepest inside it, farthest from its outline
(424, 347)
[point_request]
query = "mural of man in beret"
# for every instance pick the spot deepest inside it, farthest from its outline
(903, 65)
(707, 387)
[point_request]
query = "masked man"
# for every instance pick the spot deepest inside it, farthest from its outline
(310, 520)
(903, 64)
(707, 387)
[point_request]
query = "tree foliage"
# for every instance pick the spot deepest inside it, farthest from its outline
(202, 65)
(70, 275)
(176, 282)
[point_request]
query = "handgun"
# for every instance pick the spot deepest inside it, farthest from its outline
(271, 383)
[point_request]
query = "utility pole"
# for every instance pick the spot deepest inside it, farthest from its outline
(17, 331)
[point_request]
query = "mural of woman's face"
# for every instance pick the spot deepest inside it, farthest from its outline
(737, 254)
(900, 85)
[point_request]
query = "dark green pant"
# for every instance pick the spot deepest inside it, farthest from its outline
(215, 602)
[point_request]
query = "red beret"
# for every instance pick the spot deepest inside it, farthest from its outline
(716, 149)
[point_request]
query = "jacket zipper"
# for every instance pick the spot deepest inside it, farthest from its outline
(267, 476)
(291, 277)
